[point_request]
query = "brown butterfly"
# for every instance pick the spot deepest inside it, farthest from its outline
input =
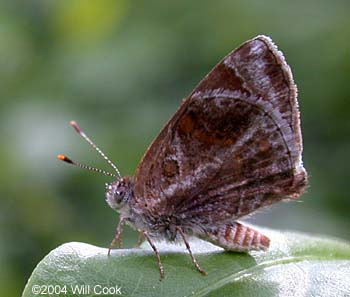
(233, 146)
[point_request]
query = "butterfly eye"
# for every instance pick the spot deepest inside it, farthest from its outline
(120, 193)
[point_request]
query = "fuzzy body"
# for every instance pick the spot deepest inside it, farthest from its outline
(233, 146)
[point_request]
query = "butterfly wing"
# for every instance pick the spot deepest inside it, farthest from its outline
(233, 146)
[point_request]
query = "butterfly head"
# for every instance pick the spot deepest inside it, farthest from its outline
(119, 192)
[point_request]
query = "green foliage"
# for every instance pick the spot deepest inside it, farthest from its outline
(295, 265)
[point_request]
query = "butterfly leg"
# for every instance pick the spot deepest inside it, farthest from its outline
(118, 236)
(140, 240)
(237, 237)
(155, 250)
(194, 261)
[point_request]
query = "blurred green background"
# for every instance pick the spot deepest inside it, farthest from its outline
(120, 68)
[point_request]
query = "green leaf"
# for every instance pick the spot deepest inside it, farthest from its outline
(295, 265)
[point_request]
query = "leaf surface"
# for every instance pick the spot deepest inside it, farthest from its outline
(295, 265)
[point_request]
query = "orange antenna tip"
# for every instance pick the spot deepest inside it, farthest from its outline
(61, 157)
(69, 161)
(64, 158)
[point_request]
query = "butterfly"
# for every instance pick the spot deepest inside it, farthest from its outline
(234, 146)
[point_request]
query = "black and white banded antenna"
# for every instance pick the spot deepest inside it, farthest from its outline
(90, 168)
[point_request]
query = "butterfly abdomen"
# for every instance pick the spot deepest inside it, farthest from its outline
(237, 237)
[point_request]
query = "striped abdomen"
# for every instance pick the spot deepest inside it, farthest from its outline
(237, 237)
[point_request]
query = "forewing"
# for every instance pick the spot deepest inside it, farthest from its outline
(233, 146)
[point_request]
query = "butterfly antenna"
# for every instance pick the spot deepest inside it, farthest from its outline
(82, 134)
(90, 168)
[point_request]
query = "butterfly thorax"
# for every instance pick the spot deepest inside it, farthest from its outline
(120, 197)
